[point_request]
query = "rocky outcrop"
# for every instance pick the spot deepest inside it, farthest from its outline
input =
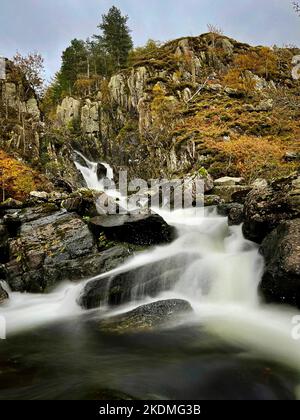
(267, 206)
(281, 249)
(3, 244)
(147, 317)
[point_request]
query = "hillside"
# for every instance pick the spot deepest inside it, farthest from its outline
(193, 104)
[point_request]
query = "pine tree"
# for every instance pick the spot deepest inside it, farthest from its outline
(116, 37)
(74, 62)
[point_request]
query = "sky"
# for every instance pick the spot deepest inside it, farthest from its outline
(48, 26)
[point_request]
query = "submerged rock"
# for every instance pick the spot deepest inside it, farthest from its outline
(137, 229)
(267, 206)
(281, 249)
(147, 317)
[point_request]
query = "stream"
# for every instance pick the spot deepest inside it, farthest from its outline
(232, 346)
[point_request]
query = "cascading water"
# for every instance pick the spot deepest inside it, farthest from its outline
(219, 276)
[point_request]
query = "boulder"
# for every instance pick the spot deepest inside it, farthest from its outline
(148, 280)
(267, 206)
(281, 249)
(228, 181)
(3, 295)
(10, 203)
(45, 245)
(101, 171)
(138, 229)
(233, 193)
(147, 317)
(234, 212)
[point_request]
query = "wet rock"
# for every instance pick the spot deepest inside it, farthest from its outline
(148, 280)
(46, 243)
(267, 206)
(147, 317)
(139, 229)
(281, 249)
(87, 266)
(234, 212)
(212, 200)
(3, 295)
(101, 171)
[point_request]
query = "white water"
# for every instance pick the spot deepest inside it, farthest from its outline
(220, 281)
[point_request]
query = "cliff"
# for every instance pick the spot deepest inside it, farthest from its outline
(206, 102)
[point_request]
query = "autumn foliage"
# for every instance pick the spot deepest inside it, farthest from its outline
(18, 179)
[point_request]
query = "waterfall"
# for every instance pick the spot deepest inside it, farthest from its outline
(218, 274)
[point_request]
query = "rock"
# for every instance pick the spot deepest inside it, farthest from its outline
(147, 317)
(138, 229)
(267, 206)
(4, 250)
(10, 203)
(101, 171)
(41, 195)
(212, 200)
(259, 183)
(281, 249)
(148, 280)
(46, 244)
(228, 181)
(265, 105)
(230, 194)
(234, 212)
(68, 111)
(3, 295)
(88, 266)
(292, 157)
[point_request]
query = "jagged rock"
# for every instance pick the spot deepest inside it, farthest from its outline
(147, 317)
(3, 295)
(139, 229)
(281, 249)
(267, 206)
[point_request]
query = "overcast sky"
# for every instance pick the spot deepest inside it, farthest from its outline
(48, 26)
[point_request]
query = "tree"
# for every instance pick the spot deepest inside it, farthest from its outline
(296, 7)
(32, 67)
(75, 60)
(115, 38)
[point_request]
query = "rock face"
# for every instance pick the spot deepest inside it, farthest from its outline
(3, 244)
(140, 229)
(147, 317)
(281, 249)
(234, 212)
(267, 206)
